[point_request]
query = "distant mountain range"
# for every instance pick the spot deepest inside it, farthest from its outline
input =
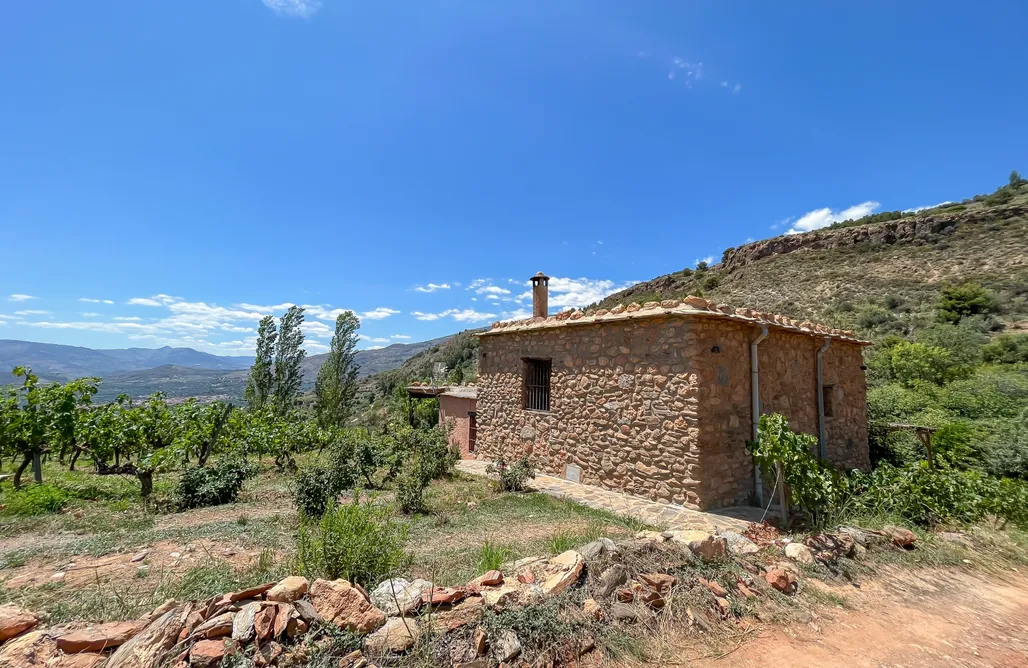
(178, 372)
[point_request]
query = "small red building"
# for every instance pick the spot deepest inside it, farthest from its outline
(457, 413)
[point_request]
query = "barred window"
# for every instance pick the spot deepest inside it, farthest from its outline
(537, 385)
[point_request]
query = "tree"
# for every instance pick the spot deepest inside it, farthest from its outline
(335, 390)
(917, 362)
(289, 356)
(154, 431)
(202, 428)
(1015, 179)
(966, 299)
(259, 385)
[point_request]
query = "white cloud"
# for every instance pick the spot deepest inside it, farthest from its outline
(922, 208)
(517, 314)
(708, 260)
(374, 348)
(271, 309)
(378, 313)
(143, 301)
(492, 290)
(20, 298)
(87, 300)
(432, 287)
(580, 292)
(32, 312)
(123, 318)
(302, 8)
(315, 347)
(374, 339)
(317, 329)
(90, 315)
(460, 315)
(818, 218)
(399, 336)
(493, 297)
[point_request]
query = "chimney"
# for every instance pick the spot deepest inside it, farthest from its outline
(540, 295)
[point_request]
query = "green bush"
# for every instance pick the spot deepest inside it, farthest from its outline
(410, 487)
(35, 500)
(966, 299)
(512, 477)
(358, 541)
(1007, 349)
(914, 363)
(313, 490)
(202, 486)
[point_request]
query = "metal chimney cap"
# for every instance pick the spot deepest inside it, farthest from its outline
(540, 276)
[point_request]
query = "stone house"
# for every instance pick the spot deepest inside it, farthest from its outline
(658, 400)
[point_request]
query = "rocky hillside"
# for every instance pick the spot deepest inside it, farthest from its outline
(849, 275)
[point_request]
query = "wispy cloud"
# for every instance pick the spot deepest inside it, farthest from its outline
(922, 208)
(87, 300)
(818, 218)
(127, 318)
(460, 315)
(144, 301)
(706, 260)
(90, 314)
(20, 298)
(581, 292)
(402, 337)
(32, 312)
(432, 287)
(301, 8)
(378, 313)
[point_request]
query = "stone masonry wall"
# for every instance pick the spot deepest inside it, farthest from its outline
(660, 407)
(623, 405)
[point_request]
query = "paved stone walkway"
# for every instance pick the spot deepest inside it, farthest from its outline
(662, 515)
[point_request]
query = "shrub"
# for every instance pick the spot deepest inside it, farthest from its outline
(1007, 349)
(966, 299)
(35, 500)
(313, 490)
(213, 485)
(410, 487)
(513, 477)
(917, 362)
(359, 541)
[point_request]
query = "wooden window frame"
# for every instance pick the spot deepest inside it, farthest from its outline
(536, 384)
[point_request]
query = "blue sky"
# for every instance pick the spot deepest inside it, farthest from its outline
(169, 171)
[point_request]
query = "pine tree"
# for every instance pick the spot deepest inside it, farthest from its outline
(289, 356)
(335, 390)
(259, 385)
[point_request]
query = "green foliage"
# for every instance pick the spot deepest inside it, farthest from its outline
(512, 477)
(813, 485)
(289, 356)
(1007, 349)
(963, 300)
(202, 486)
(316, 486)
(554, 627)
(491, 555)
(913, 363)
(335, 391)
(357, 541)
(410, 486)
(35, 500)
(261, 380)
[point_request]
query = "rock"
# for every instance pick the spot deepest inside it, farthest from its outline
(610, 580)
(159, 611)
(338, 602)
(626, 612)
(782, 580)
(487, 579)
(268, 654)
(15, 620)
(264, 622)
(744, 590)
(354, 659)
(82, 660)
(738, 544)
(506, 646)
(139, 556)
(396, 637)
(477, 663)
(306, 611)
(566, 568)
(597, 548)
(397, 597)
(481, 640)
(592, 610)
(283, 615)
(468, 612)
(799, 552)
(702, 544)
(248, 593)
(96, 638)
(207, 653)
(443, 595)
(526, 577)
(956, 538)
(651, 536)
(215, 627)
(504, 597)
(35, 648)
(901, 537)
(698, 618)
(716, 589)
(289, 589)
(658, 582)
(147, 649)
(242, 623)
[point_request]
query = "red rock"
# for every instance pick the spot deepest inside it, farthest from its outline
(15, 620)
(488, 579)
(289, 589)
(264, 622)
(658, 582)
(443, 595)
(566, 568)
(782, 580)
(35, 648)
(267, 654)
(526, 577)
(96, 638)
(592, 610)
(745, 591)
(83, 660)
(716, 589)
(282, 616)
(343, 605)
(215, 627)
(901, 537)
(248, 593)
(147, 649)
(207, 653)
(462, 614)
(625, 594)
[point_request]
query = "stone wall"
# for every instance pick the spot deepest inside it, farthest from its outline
(623, 405)
(660, 407)
(453, 414)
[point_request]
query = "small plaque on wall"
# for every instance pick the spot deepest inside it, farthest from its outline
(573, 473)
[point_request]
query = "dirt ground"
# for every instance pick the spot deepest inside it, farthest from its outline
(937, 617)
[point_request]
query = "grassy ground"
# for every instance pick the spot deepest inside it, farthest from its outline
(78, 563)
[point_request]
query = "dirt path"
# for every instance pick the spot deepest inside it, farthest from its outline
(914, 620)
